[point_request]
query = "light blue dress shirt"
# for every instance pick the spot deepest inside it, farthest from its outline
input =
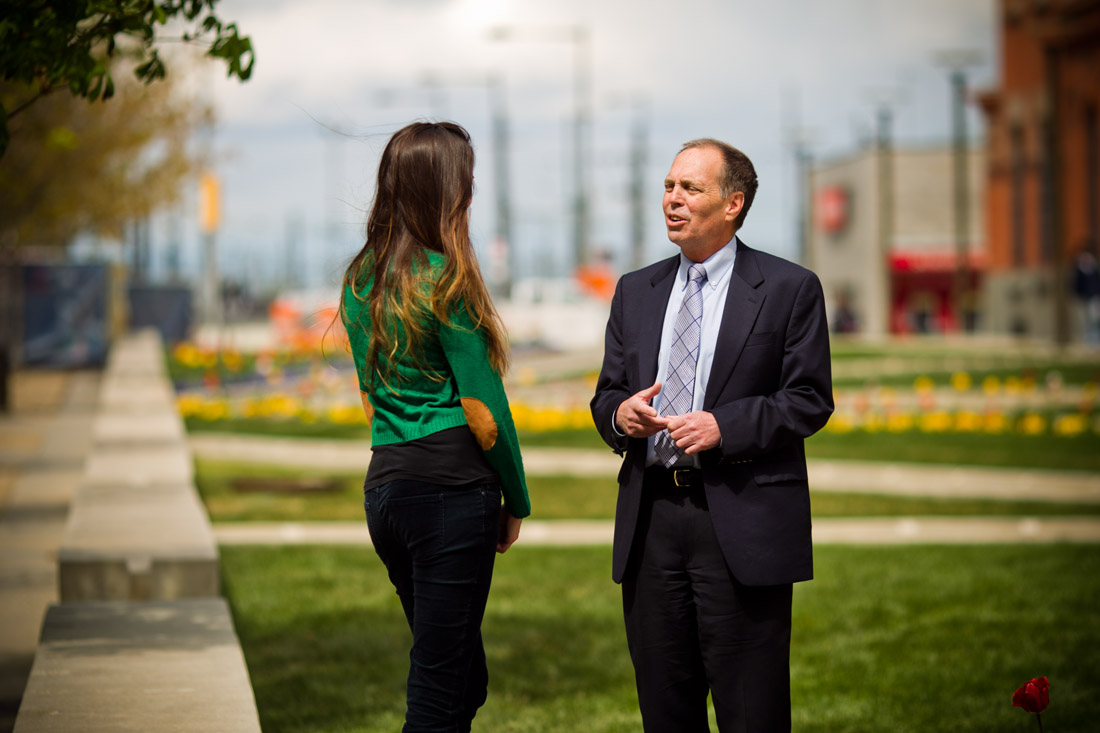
(719, 267)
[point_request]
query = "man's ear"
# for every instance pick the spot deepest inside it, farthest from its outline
(734, 204)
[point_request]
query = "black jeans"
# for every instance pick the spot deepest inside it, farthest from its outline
(438, 544)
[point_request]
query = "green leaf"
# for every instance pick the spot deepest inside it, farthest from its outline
(194, 9)
(151, 70)
(95, 88)
(65, 43)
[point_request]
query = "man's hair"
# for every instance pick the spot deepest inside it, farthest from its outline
(737, 172)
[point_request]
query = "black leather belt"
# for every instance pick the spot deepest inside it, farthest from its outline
(683, 478)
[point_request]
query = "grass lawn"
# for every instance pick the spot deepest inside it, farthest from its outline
(1078, 453)
(553, 497)
(890, 639)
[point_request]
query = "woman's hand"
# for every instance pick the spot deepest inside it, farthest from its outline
(509, 531)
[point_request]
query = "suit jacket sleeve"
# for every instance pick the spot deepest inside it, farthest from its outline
(756, 424)
(612, 387)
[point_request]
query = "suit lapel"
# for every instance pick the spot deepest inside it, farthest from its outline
(653, 305)
(743, 302)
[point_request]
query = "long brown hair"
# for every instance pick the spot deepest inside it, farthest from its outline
(421, 202)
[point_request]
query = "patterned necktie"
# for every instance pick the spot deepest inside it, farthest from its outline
(679, 387)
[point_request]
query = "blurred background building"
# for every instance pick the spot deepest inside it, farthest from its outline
(1043, 179)
(882, 240)
(905, 244)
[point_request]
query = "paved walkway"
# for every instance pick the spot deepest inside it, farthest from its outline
(872, 531)
(43, 444)
(825, 475)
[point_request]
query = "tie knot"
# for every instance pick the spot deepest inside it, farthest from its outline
(697, 273)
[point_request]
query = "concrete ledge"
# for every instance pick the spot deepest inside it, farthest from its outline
(139, 354)
(139, 466)
(136, 528)
(170, 667)
(135, 394)
(137, 543)
(140, 641)
(112, 429)
(135, 579)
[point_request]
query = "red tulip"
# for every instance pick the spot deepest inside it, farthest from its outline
(1033, 696)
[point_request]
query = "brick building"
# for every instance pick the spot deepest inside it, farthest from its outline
(1043, 178)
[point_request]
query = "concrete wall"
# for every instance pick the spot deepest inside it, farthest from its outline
(141, 641)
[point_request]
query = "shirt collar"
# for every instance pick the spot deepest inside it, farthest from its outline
(718, 266)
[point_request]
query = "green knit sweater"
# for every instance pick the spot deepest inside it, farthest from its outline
(470, 392)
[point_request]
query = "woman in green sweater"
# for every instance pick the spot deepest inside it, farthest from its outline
(430, 349)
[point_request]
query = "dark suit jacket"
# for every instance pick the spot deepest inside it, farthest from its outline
(770, 387)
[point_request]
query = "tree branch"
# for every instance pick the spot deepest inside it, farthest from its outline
(41, 93)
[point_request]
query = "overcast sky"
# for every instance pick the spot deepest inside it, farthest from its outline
(754, 74)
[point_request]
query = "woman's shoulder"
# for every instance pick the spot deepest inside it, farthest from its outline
(356, 292)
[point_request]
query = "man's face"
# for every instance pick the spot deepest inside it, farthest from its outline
(699, 220)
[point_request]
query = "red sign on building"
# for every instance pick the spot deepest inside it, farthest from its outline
(832, 208)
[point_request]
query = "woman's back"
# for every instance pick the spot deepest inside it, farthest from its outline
(429, 351)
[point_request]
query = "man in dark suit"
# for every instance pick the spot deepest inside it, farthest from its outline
(712, 525)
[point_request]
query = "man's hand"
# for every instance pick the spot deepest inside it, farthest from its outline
(694, 432)
(509, 531)
(636, 418)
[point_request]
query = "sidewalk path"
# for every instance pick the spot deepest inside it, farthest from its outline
(44, 441)
(907, 479)
(890, 531)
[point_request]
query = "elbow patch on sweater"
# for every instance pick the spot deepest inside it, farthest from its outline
(368, 408)
(481, 422)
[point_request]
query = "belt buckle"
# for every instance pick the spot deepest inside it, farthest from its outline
(677, 473)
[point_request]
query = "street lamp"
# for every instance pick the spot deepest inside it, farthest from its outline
(956, 62)
(885, 146)
(885, 100)
(798, 138)
(579, 37)
(638, 106)
(501, 169)
(638, 160)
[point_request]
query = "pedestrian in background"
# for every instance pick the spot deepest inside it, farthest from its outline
(430, 350)
(1086, 289)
